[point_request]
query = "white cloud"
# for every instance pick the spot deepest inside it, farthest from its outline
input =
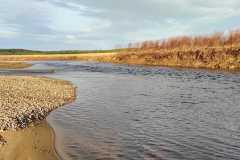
(75, 23)
(8, 34)
(7, 31)
(72, 21)
(172, 21)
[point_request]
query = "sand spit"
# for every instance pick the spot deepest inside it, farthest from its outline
(14, 65)
(26, 99)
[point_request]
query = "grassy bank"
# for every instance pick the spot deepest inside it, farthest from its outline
(210, 58)
(226, 58)
(14, 65)
(216, 51)
(54, 57)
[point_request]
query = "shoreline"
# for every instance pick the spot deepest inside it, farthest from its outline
(227, 59)
(54, 141)
(27, 99)
(25, 104)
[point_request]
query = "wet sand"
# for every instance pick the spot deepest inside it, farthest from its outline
(33, 143)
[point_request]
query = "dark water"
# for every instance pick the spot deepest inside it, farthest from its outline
(149, 113)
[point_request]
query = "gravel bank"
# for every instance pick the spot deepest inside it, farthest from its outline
(25, 99)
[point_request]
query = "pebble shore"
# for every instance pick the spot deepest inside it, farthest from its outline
(26, 99)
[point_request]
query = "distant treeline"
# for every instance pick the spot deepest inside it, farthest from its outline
(219, 39)
(34, 52)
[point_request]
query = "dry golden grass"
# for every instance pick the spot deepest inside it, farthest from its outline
(216, 51)
(60, 57)
(14, 65)
(218, 39)
(225, 58)
(209, 58)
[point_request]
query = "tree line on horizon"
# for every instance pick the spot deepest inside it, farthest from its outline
(218, 39)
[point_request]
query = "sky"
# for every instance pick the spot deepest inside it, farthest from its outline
(105, 24)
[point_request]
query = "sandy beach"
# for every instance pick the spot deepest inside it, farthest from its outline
(33, 143)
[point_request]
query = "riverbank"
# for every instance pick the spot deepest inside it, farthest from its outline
(225, 58)
(58, 57)
(25, 100)
(218, 58)
(14, 65)
(36, 142)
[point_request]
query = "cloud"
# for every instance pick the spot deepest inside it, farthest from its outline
(93, 24)
(7, 34)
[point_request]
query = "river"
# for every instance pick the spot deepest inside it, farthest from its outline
(150, 113)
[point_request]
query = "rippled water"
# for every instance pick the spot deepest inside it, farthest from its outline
(149, 113)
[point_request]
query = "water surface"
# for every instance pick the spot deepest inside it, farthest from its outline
(150, 113)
